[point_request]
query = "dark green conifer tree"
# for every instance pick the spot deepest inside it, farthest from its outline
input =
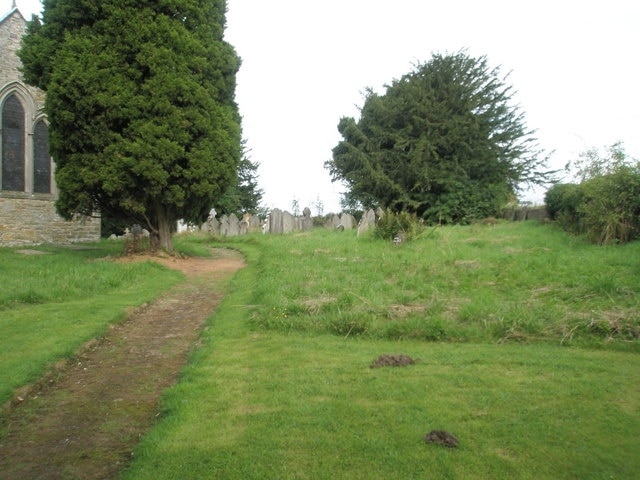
(443, 142)
(140, 99)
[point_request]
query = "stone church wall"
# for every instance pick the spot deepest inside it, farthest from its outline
(26, 217)
(25, 221)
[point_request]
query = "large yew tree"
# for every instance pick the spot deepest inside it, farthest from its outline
(140, 99)
(444, 141)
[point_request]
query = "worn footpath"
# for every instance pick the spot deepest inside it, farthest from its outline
(84, 419)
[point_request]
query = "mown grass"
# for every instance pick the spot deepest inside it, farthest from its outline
(280, 406)
(277, 392)
(52, 303)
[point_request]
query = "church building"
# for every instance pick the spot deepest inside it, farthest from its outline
(27, 185)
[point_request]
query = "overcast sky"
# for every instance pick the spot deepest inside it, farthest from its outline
(574, 64)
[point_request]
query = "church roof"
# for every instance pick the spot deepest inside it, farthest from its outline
(14, 9)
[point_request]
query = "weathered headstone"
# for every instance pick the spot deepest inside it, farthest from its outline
(244, 224)
(275, 221)
(255, 224)
(367, 222)
(224, 225)
(306, 222)
(233, 228)
(212, 225)
(288, 222)
(347, 221)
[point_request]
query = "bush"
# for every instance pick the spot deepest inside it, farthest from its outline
(466, 203)
(605, 205)
(563, 203)
(403, 225)
(611, 206)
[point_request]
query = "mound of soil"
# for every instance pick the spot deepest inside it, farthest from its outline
(392, 361)
(442, 437)
(84, 421)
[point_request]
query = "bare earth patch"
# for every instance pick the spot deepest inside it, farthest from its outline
(386, 360)
(83, 421)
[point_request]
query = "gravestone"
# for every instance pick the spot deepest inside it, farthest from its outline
(306, 222)
(367, 222)
(347, 221)
(244, 224)
(254, 223)
(224, 225)
(275, 221)
(233, 228)
(289, 223)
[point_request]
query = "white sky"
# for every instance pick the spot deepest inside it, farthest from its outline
(575, 65)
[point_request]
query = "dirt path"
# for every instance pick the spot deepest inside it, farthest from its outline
(84, 421)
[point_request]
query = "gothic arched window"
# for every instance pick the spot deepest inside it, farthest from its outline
(41, 159)
(13, 145)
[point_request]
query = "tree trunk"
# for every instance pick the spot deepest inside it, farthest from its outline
(162, 231)
(166, 235)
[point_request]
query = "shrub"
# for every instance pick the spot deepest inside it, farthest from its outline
(466, 203)
(611, 206)
(563, 203)
(403, 225)
(605, 205)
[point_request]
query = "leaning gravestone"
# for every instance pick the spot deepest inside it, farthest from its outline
(367, 222)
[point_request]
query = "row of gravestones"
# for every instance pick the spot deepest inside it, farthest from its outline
(280, 221)
(231, 225)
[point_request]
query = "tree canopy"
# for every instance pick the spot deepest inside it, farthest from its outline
(443, 142)
(141, 104)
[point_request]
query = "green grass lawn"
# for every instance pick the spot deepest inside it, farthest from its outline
(527, 344)
(292, 406)
(51, 304)
(282, 386)
(514, 282)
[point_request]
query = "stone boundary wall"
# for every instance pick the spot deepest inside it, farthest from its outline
(32, 222)
(521, 213)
